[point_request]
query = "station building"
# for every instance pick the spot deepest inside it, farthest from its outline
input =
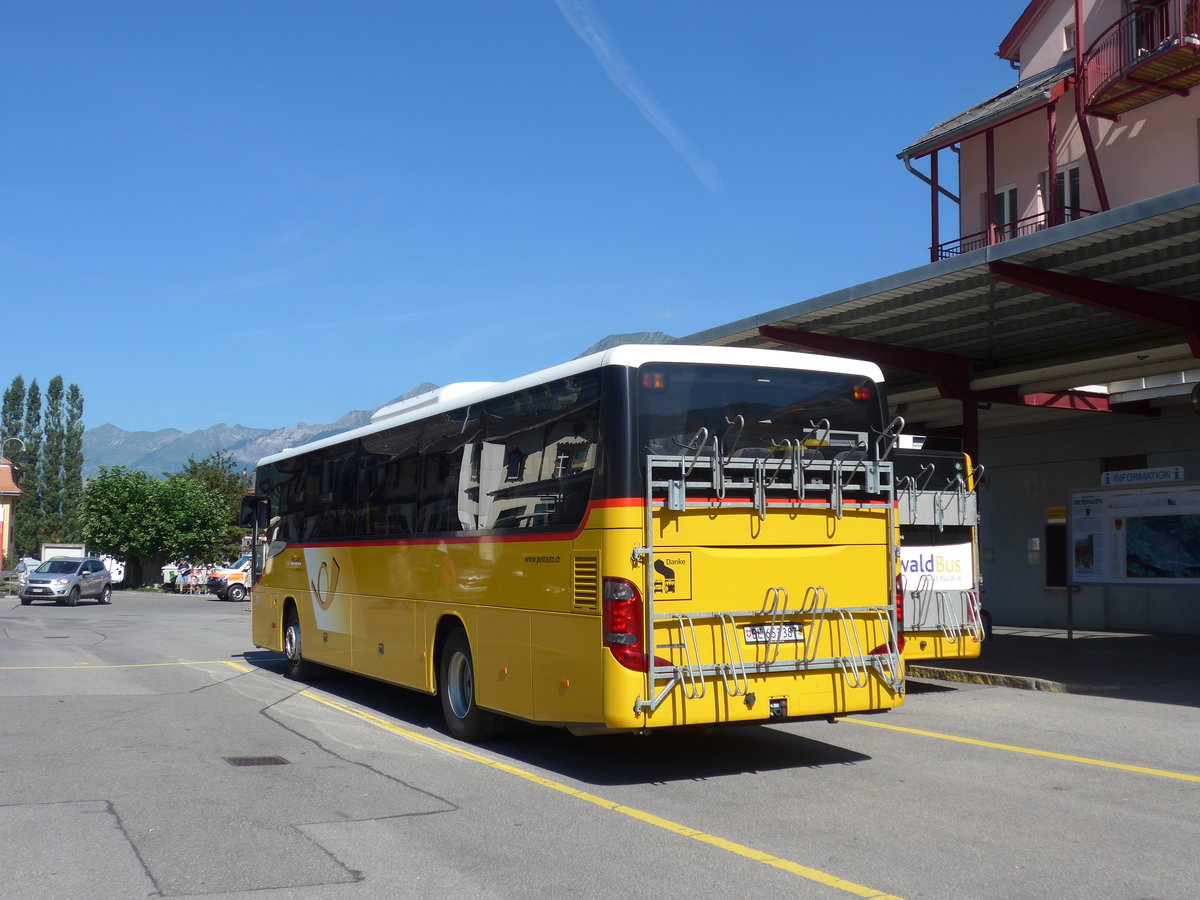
(1055, 330)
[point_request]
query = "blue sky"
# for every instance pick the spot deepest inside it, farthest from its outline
(263, 213)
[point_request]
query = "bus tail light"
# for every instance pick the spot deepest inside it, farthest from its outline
(885, 648)
(624, 625)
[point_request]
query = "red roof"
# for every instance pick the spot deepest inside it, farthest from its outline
(7, 484)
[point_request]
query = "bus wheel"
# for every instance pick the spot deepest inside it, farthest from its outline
(456, 689)
(236, 593)
(298, 668)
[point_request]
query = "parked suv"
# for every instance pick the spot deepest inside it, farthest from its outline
(64, 580)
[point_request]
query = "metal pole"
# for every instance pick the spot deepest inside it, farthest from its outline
(934, 247)
(1070, 550)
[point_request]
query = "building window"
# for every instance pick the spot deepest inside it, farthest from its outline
(1128, 463)
(1066, 194)
(514, 465)
(1066, 191)
(1056, 554)
(1068, 37)
(1004, 211)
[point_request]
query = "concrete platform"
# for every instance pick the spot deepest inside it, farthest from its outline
(1047, 659)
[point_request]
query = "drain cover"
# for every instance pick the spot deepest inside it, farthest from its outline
(256, 761)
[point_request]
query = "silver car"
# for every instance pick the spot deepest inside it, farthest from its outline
(64, 580)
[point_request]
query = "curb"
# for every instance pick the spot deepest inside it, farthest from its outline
(1021, 682)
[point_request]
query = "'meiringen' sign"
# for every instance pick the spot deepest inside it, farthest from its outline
(1142, 527)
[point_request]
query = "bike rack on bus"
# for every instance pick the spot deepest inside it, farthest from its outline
(706, 476)
(949, 621)
(920, 504)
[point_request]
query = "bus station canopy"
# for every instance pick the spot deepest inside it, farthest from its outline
(1015, 329)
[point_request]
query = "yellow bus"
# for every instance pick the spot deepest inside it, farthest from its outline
(650, 536)
(942, 617)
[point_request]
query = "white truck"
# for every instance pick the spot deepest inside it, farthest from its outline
(231, 582)
(74, 551)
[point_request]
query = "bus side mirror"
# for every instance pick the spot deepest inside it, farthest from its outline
(254, 511)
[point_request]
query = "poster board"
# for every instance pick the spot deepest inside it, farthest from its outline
(1136, 535)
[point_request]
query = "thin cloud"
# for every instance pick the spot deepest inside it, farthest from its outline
(582, 17)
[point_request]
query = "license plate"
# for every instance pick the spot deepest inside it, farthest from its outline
(773, 634)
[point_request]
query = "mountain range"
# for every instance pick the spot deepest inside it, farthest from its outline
(168, 449)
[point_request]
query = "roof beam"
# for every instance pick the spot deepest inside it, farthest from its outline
(929, 363)
(1087, 401)
(951, 373)
(1161, 310)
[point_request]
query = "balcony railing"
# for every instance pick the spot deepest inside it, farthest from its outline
(1009, 230)
(1151, 52)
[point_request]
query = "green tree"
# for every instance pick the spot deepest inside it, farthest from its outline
(27, 514)
(145, 522)
(51, 468)
(11, 416)
(220, 474)
(72, 527)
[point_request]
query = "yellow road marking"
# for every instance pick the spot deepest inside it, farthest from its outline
(1029, 751)
(83, 665)
(742, 850)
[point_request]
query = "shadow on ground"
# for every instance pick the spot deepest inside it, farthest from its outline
(664, 755)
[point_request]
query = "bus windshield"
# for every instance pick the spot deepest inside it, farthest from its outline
(752, 410)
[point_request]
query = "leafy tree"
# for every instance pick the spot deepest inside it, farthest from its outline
(145, 522)
(49, 461)
(72, 528)
(51, 469)
(11, 416)
(221, 475)
(27, 514)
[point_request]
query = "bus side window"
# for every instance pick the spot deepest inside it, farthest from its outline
(538, 455)
(387, 484)
(444, 500)
(329, 493)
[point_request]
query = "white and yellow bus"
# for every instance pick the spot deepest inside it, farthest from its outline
(936, 497)
(649, 536)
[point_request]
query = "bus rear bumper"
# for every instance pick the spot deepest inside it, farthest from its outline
(812, 695)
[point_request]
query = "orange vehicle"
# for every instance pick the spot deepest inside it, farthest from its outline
(231, 582)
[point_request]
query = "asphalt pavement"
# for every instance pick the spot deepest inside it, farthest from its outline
(1079, 662)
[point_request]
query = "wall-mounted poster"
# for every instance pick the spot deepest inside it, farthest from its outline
(1145, 535)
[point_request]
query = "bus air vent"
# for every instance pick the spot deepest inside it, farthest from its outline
(587, 581)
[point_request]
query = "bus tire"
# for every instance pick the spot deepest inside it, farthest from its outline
(297, 667)
(236, 593)
(456, 689)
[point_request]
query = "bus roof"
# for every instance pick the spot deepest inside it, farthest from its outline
(630, 355)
